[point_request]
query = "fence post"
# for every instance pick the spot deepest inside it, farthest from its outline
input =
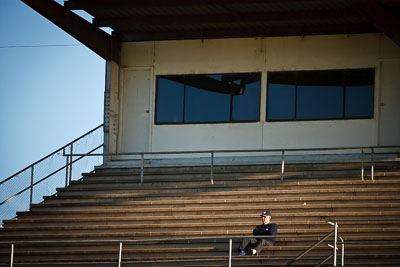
(362, 164)
(230, 253)
(12, 255)
(70, 163)
(212, 168)
(335, 245)
(120, 254)
(372, 163)
(282, 165)
(141, 167)
(66, 168)
(31, 190)
(342, 253)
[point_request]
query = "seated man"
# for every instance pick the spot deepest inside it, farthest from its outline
(266, 228)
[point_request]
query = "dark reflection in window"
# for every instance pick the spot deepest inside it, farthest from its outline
(319, 95)
(330, 94)
(169, 101)
(208, 98)
(206, 106)
(246, 106)
(319, 102)
(359, 93)
(359, 101)
(281, 95)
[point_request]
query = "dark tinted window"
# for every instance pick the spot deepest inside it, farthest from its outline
(208, 98)
(281, 96)
(359, 93)
(169, 101)
(331, 94)
(246, 106)
(206, 106)
(319, 95)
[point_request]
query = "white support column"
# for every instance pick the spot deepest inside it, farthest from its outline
(111, 108)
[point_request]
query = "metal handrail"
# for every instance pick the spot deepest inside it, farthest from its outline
(282, 151)
(230, 238)
(67, 167)
(333, 232)
(120, 243)
(310, 248)
(241, 150)
(334, 222)
(51, 154)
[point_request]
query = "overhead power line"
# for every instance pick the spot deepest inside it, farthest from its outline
(35, 46)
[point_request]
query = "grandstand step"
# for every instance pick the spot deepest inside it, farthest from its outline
(221, 217)
(84, 223)
(214, 209)
(169, 234)
(40, 224)
(162, 194)
(226, 185)
(218, 202)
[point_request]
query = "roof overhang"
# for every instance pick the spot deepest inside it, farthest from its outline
(152, 20)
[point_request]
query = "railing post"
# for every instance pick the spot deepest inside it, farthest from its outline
(372, 163)
(212, 168)
(31, 189)
(120, 254)
(230, 253)
(66, 168)
(335, 244)
(12, 255)
(362, 164)
(342, 253)
(70, 163)
(282, 165)
(141, 167)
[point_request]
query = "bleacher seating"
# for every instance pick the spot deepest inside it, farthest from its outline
(84, 222)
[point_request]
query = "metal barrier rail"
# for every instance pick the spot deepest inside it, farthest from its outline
(334, 232)
(212, 154)
(121, 242)
(229, 238)
(334, 222)
(67, 167)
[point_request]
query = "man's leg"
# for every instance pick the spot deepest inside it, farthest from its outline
(260, 244)
(245, 242)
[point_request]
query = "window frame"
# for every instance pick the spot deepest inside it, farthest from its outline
(344, 86)
(230, 121)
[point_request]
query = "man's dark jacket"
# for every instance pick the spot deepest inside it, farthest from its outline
(267, 229)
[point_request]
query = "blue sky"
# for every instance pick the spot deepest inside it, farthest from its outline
(49, 95)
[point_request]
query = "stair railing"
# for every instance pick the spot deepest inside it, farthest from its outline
(334, 232)
(283, 154)
(228, 258)
(120, 243)
(334, 222)
(38, 173)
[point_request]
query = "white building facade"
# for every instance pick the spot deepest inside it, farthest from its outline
(149, 109)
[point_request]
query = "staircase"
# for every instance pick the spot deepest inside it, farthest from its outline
(85, 222)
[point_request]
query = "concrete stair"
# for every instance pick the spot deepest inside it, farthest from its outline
(84, 223)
